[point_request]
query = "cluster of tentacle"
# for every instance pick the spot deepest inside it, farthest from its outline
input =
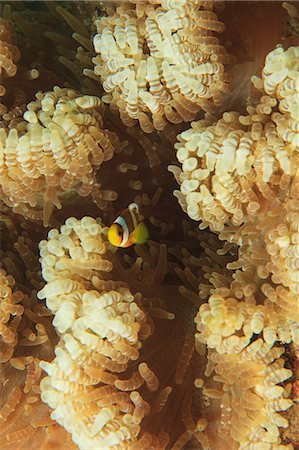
(160, 62)
(10, 315)
(26, 337)
(56, 147)
(232, 167)
(246, 323)
(252, 395)
(239, 177)
(101, 325)
(9, 57)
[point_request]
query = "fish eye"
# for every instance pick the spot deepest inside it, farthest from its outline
(119, 232)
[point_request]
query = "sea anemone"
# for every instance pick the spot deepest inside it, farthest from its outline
(190, 340)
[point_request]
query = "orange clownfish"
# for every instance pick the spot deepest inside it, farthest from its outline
(128, 228)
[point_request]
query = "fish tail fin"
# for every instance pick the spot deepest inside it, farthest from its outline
(140, 234)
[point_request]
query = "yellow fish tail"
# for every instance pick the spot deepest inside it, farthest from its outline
(140, 235)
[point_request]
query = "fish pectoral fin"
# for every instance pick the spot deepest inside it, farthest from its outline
(140, 235)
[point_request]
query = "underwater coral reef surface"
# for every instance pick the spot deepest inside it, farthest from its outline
(149, 225)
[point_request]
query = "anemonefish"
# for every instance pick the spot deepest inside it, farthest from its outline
(128, 228)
